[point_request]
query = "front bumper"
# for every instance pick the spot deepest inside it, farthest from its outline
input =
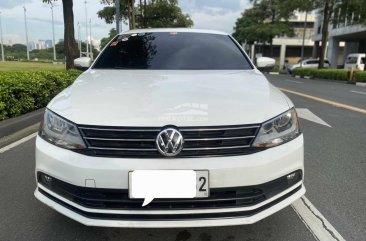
(112, 173)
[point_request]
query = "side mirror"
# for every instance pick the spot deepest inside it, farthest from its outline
(82, 63)
(265, 64)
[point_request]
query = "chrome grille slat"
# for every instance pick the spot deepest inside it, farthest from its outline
(139, 142)
(218, 129)
(122, 149)
(219, 138)
(112, 139)
(111, 129)
(215, 148)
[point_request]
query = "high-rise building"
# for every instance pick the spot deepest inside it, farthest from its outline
(49, 44)
(31, 45)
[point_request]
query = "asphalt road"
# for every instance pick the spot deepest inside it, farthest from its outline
(335, 177)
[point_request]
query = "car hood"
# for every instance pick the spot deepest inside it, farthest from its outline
(158, 98)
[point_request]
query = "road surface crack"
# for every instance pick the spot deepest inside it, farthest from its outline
(321, 220)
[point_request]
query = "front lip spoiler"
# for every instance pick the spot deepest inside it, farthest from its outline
(166, 221)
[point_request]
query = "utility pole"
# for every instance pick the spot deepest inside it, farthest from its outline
(86, 28)
(303, 37)
(2, 41)
(53, 34)
(79, 40)
(26, 31)
(117, 16)
(90, 34)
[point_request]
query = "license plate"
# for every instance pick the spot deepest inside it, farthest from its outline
(150, 184)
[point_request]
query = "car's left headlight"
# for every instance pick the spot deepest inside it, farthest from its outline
(278, 130)
(60, 132)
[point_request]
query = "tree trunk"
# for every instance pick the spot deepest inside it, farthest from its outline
(145, 18)
(271, 47)
(141, 24)
(328, 10)
(71, 48)
(131, 12)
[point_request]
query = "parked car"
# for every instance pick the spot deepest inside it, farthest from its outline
(170, 128)
(308, 63)
(355, 61)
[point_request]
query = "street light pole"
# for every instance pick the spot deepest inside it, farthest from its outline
(26, 31)
(86, 28)
(2, 41)
(53, 33)
(303, 37)
(90, 42)
(79, 40)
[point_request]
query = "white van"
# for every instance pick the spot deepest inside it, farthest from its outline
(355, 61)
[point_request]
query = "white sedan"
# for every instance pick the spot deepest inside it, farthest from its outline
(170, 128)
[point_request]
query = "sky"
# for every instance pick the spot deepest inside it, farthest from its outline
(210, 14)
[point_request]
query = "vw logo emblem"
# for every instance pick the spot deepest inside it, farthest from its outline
(169, 142)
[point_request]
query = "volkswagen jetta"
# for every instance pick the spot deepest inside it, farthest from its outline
(170, 128)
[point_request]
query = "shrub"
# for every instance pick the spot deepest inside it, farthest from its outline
(25, 91)
(333, 74)
(303, 72)
(359, 76)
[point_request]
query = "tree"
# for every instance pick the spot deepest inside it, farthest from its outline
(60, 49)
(150, 14)
(105, 41)
(265, 20)
(71, 50)
(327, 7)
(334, 11)
(108, 13)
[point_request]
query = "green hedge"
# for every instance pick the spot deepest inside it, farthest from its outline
(359, 76)
(333, 74)
(25, 91)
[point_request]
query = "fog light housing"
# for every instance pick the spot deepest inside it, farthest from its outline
(294, 177)
(45, 179)
(291, 176)
(48, 179)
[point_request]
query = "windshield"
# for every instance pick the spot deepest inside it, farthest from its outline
(172, 51)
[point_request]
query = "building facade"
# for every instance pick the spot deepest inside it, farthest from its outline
(345, 36)
(287, 50)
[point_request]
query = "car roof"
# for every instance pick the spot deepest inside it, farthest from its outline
(178, 30)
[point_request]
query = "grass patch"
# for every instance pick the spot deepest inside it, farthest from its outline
(16, 66)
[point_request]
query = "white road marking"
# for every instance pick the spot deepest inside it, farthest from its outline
(17, 143)
(294, 81)
(310, 116)
(315, 221)
(361, 84)
(336, 104)
(358, 92)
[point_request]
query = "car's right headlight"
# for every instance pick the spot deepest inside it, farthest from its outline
(278, 130)
(60, 132)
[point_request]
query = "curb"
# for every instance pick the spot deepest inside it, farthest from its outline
(18, 127)
(7, 140)
(361, 84)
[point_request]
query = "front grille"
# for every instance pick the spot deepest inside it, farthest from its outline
(219, 197)
(140, 142)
